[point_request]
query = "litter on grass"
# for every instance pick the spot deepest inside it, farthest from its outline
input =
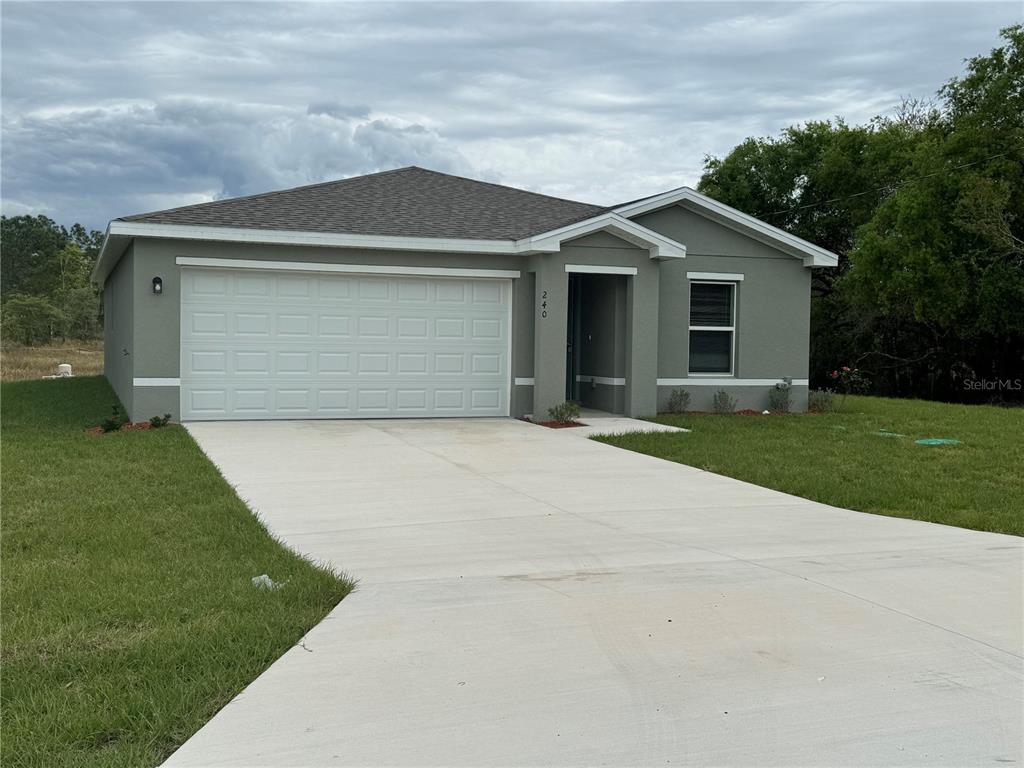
(938, 441)
(266, 582)
(888, 433)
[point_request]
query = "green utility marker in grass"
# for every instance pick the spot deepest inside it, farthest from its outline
(837, 458)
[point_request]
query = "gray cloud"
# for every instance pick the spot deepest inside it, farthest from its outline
(112, 108)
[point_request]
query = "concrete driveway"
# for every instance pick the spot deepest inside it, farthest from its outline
(529, 598)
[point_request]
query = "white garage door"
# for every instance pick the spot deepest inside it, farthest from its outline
(284, 345)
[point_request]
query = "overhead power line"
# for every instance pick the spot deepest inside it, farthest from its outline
(883, 188)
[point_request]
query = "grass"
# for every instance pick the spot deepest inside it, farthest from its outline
(129, 617)
(18, 363)
(840, 459)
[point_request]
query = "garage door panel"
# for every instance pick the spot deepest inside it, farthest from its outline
(280, 345)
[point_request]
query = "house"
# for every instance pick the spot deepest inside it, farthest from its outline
(412, 293)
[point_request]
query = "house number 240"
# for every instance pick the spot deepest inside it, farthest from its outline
(544, 304)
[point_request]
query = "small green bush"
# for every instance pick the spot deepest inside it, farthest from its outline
(723, 403)
(779, 396)
(821, 400)
(678, 401)
(115, 420)
(564, 413)
(159, 421)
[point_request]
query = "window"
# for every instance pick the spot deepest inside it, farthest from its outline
(712, 327)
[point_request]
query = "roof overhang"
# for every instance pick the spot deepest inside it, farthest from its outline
(811, 254)
(120, 234)
(659, 246)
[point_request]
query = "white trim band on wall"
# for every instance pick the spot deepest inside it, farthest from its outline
(524, 381)
(597, 269)
(611, 382)
(359, 269)
(726, 382)
(156, 382)
(732, 277)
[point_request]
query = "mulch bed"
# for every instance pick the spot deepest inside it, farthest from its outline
(555, 424)
(128, 426)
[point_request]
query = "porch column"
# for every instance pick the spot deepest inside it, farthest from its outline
(642, 341)
(550, 305)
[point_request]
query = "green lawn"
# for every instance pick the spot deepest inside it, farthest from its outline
(128, 613)
(840, 459)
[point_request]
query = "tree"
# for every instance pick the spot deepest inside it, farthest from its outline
(925, 210)
(30, 320)
(44, 260)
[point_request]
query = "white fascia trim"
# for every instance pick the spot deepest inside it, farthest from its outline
(597, 269)
(813, 255)
(731, 277)
(524, 381)
(611, 382)
(327, 239)
(156, 382)
(361, 269)
(659, 246)
(726, 382)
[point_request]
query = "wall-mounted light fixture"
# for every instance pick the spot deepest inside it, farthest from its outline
(158, 285)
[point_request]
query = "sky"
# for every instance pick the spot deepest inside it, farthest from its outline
(110, 109)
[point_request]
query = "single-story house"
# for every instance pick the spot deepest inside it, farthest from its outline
(413, 293)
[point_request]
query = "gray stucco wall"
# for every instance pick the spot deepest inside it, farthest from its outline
(118, 326)
(157, 319)
(651, 315)
(550, 337)
(772, 309)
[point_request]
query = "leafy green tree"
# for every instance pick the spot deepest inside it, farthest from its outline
(925, 209)
(44, 260)
(30, 320)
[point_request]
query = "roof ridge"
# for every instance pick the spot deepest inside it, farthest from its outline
(500, 186)
(258, 195)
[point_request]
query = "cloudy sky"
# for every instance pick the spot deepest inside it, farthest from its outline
(110, 109)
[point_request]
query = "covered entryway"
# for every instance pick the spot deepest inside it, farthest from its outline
(264, 344)
(596, 341)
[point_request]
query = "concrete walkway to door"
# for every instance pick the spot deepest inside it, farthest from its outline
(528, 598)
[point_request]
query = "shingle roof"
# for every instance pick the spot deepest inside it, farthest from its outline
(407, 202)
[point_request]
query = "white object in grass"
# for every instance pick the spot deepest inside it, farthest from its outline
(266, 582)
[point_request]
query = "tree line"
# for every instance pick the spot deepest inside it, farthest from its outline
(925, 208)
(45, 286)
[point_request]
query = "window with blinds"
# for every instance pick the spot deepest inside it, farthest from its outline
(712, 327)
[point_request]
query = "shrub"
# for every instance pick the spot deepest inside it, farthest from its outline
(722, 403)
(779, 396)
(159, 421)
(678, 401)
(821, 401)
(851, 381)
(115, 420)
(30, 320)
(564, 413)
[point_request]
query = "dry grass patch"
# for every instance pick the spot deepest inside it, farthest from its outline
(18, 363)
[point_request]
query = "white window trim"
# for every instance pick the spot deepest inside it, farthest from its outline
(358, 269)
(597, 269)
(730, 329)
(728, 277)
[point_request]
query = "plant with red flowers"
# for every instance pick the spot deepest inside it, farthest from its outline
(850, 381)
